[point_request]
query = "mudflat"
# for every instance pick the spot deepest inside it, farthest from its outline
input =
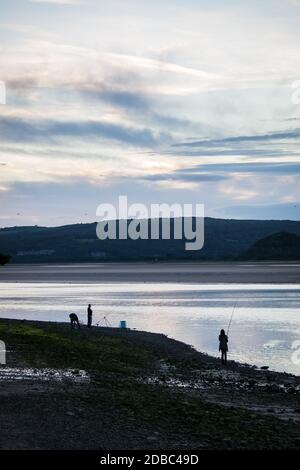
(106, 388)
(225, 272)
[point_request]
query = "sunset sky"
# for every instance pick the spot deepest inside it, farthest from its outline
(163, 101)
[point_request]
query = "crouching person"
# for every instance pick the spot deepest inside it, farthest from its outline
(74, 321)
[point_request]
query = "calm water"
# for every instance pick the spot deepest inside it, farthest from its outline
(265, 324)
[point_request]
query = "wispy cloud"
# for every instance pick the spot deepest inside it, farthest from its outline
(188, 177)
(289, 168)
(20, 130)
(289, 134)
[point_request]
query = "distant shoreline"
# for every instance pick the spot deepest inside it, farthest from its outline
(156, 272)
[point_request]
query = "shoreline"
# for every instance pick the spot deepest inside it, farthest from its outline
(159, 339)
(144, 390)
(150, 334)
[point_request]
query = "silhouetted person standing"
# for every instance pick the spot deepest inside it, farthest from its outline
(74, 320)
(89, 316)
(223, 346)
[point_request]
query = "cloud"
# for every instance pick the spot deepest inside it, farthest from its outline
(86, 106)
(139, 103)
(221, 172)
(20, 130)
(117, 97)
(186, 177)
(272, 144)
(292, 134)
(89, 70)
(289, 168)
(231, 152)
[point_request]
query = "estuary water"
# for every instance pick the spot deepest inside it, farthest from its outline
(265, 328)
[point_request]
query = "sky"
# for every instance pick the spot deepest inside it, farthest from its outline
(194, 101)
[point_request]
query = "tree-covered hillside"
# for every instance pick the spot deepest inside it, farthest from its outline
(224, 239)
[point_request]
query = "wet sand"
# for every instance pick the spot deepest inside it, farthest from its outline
(225, 272)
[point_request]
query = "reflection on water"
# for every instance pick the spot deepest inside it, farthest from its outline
(266, 320)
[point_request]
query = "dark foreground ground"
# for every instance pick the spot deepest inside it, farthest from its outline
(186, 272)
(138, 391)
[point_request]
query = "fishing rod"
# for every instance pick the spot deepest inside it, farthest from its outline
(229, 324)
(105, 320)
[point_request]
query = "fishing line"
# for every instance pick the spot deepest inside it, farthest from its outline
(231, 317)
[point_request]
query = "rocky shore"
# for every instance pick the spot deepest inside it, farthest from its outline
(109, 389)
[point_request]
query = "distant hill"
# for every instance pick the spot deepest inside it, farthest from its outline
(224, 240)
(279, 246)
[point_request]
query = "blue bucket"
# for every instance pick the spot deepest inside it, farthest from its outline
(123, 324)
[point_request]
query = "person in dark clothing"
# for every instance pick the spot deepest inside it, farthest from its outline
(74, 320)
(89, 316)
(223, 346)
